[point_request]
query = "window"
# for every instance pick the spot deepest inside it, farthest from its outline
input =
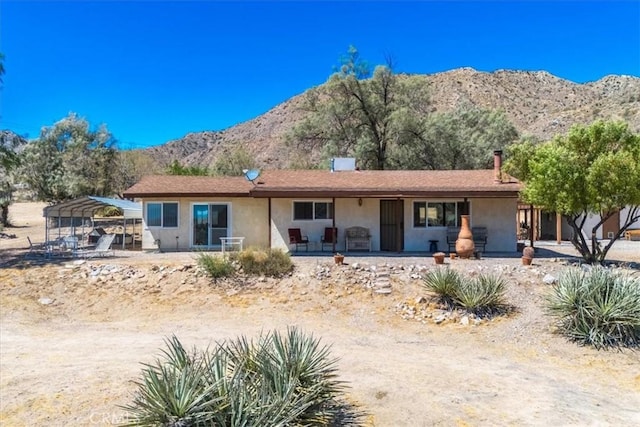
(437, 214)
(312, 210)
(162, 214)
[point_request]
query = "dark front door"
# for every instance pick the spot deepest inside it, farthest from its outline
(391, 225)
(611, 226)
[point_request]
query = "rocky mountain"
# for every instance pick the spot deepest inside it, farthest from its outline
(538, 103)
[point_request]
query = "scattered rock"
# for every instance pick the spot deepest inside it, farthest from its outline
(439, 319)
(46, 301)
(549, 279)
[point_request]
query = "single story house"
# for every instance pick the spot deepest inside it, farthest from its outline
(402, 210)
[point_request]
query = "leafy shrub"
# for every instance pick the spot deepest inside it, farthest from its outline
(270, 262)
(215, 266)
(109, 211)
(482, 295)
(599, 308)
(278, 380)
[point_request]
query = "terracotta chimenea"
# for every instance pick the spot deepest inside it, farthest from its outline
(464, 244)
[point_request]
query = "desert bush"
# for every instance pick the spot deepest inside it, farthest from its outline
(108, 211)
(444, 282)
(269, 262)
(215, 266)
(277, 380)
(599, 308)
(482, 295)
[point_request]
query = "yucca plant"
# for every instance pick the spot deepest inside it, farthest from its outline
(174, 391)
(444, 282)
(482, 295)
(275, 381)
(599, 308)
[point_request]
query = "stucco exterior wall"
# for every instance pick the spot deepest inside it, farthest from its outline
(348, 213)
(247, 218)
(499, 216)
(417, 238)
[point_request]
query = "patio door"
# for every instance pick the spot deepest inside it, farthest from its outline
(391, 225)
(209, 223)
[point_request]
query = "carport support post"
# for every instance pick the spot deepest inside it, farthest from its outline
(558, 228)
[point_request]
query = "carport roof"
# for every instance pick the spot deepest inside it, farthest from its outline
(86, 206)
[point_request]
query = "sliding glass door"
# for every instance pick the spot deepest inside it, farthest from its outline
(210, 222)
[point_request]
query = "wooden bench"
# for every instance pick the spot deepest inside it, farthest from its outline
(632, 234)
(452, 236)
(479, 238)
(357, 239)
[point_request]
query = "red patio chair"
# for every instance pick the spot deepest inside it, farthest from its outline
(296, 238)
(330, 237)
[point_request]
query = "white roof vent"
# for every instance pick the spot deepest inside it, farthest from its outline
(343, 164)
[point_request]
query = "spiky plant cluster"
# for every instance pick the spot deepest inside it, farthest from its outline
(277, 380)
(599, 308)
(482, 295)
(443, 282)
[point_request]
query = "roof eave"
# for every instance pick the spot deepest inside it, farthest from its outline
(142, 195)
(385, 193)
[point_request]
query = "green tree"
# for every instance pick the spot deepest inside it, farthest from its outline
(462, 139)
(360, 115)
(70, 160)
(10, 147)
(175, 168)
(131, 166)
(591, 170)
(233, 163)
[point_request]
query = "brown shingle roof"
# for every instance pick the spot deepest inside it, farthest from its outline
(389, 183)
(194, 186)
(323, 183)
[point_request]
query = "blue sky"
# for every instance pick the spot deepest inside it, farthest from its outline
(153, 71)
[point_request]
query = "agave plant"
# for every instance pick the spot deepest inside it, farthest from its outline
(599, 308)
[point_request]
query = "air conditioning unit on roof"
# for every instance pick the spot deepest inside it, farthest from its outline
(343, 164)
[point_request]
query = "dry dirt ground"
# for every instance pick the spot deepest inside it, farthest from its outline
(73, 334)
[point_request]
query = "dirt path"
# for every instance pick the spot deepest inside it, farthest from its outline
(71, 362)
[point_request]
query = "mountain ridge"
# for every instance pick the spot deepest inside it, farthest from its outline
(538, 103)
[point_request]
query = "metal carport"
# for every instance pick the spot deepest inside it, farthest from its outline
(85, 207)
